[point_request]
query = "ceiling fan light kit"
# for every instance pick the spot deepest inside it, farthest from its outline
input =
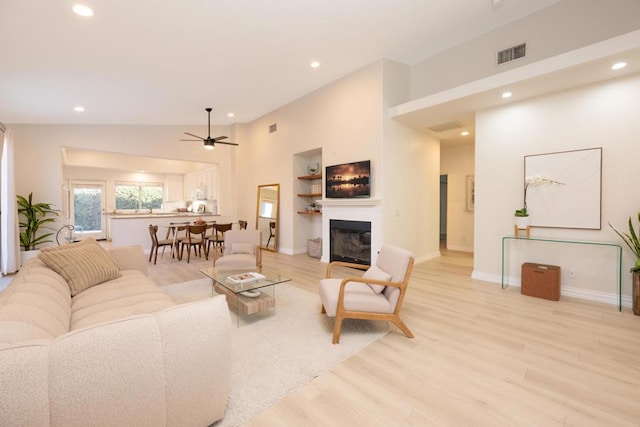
(209, 143)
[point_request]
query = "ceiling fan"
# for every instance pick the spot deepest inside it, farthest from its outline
(209, 142)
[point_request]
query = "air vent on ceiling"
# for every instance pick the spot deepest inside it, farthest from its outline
(445, 126)
(511, 54)
(273, 128)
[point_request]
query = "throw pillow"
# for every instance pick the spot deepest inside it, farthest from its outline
(82, 265)
(242, 248)
(376, 274)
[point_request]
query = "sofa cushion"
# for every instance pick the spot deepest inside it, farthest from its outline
(376, 273)
(35, 305)
(82, 265)
(236, 261)
(357, 297)
(243, 248)
(131, 294)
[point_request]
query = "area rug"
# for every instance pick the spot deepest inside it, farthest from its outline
(278, 354)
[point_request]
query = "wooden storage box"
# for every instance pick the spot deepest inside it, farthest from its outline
(540, 280)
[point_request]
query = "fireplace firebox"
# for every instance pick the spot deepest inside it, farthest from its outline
(350, 241)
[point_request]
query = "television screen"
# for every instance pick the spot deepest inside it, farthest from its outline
(348, 180)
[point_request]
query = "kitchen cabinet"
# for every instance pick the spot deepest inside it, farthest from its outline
(201, 185)
(173, 188)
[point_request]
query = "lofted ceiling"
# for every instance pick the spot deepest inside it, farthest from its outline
(150, 62)
(588, 65)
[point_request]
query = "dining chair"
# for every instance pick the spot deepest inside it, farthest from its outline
(243, 224)
(195, 239)
(376, 295)
(217, 239)
(272, 231)
(177, 231)
(158, 243)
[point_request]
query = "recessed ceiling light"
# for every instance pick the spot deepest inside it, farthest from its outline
(506, 94)
(315, 64)
(618, 65)
(78, 109)
(82, 10)
(465, 133)
(230, 114)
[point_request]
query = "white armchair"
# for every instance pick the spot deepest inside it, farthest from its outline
(377, 295)
(241, 250)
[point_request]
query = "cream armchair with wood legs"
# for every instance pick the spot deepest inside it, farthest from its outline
(377, 295)
(241, 250)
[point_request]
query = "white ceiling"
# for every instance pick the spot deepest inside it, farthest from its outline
(163, 62)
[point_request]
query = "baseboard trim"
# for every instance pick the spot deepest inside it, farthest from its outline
(585, 294)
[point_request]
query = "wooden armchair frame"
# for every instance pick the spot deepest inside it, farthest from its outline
(342, 313)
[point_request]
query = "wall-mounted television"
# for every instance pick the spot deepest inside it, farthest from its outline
(348, 180)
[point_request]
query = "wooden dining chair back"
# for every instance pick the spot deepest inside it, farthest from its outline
(196, 238)
(177, 231)
(272, 231)
(377, 295)
(217, 239)
(157, 243)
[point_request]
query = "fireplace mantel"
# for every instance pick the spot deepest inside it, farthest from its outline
(349, 202)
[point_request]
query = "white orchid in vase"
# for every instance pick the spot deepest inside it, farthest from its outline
(534, 180)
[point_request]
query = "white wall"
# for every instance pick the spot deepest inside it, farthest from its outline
(603, 115)
(411, 175)
(457, 163)
(342, 118)
(560, 28)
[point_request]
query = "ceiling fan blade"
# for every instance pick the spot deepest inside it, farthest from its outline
(195, 136)
(219, 138)
(226, 143)
(194, 140)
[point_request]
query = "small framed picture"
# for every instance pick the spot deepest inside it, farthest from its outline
(201, 208)
(471, 193)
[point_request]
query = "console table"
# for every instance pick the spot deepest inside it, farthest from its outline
(570, 242)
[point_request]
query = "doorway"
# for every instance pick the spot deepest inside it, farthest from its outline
(87, 209)
(443, 210)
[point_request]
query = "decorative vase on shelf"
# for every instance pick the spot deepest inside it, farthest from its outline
(313, 168)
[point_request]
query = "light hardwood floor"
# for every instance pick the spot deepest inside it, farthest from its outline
(480, 356)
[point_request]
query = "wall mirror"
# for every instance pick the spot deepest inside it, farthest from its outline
(267, 215)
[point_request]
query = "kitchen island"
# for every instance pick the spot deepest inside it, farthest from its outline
(133, 229)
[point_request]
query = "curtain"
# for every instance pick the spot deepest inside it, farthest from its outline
(9, 230)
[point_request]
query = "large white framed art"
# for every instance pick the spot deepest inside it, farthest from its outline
(564, 189)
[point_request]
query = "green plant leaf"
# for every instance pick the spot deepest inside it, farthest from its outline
(33, 217)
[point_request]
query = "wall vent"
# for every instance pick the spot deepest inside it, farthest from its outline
(511, 54)
(445, 126)
(273, 128)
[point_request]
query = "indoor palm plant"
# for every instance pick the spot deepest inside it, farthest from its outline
(33, 216)
(632, 242)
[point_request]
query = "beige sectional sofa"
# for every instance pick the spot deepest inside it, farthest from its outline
(117, 353)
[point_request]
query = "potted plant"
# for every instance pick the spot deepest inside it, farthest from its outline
(632, 242)
(34, 216)
(521, 218)
(522, 215)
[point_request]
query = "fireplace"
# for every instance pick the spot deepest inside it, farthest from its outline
(350, 241)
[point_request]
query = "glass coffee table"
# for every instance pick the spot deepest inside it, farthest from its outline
(251, 300)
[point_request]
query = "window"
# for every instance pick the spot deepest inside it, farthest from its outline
(139, 195)
(266, 209)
